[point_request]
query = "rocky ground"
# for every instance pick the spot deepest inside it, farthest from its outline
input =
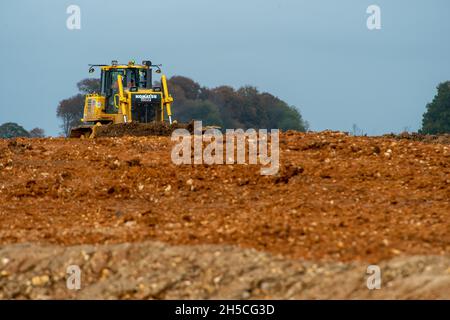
(152, 270)
(338, 204)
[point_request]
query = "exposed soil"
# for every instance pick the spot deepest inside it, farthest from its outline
(335, 199)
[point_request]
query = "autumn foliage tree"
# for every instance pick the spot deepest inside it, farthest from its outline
(229, 108)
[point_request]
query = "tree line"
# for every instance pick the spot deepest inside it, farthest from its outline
(244, 108)
(13, 130)
(224, 106)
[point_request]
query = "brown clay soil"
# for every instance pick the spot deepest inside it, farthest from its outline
(336, 198)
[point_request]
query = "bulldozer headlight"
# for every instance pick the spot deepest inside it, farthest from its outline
(147, 63)
(114, 62)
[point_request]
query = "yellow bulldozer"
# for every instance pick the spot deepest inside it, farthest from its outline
(127, 95)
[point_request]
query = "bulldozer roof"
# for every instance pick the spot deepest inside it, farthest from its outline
(124, 66)
(146, 64)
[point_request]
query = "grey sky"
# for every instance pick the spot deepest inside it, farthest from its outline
(317, 55)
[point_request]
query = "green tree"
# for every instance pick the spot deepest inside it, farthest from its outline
(291, 119)
(12, 130)
(204, 110)
(437, 117)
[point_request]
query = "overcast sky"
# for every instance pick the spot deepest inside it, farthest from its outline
(317, 55)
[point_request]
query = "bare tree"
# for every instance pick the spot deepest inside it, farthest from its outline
(37, 133)
(70, 111)
(356, 131)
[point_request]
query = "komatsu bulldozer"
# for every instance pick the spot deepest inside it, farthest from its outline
(127, 94)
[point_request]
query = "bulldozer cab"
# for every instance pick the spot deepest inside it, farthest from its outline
(134, 79)
(131, 77)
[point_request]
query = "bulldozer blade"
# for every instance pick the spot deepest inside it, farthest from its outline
(82, 132)
(155, 128)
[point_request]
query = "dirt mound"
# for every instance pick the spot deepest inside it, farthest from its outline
(428, 138)
(155, 128)
(156, 271)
